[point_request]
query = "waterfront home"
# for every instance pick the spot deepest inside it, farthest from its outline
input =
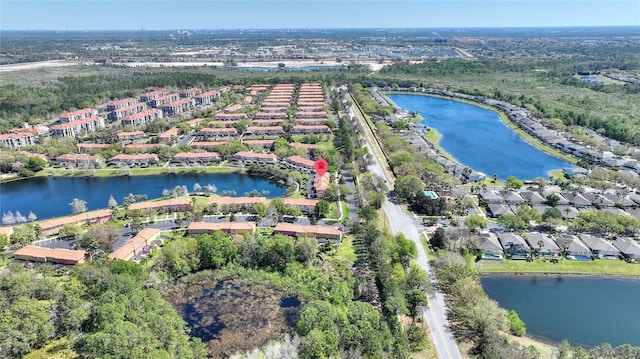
(490, 247)
(170, 205)
(218, 133)
(81, 160)
(17, 139)
(226, 227)
(311, 130)
(600, 247)
(629, 248)
(532, 197)
(134, 160)
(51, 255)
(235, 204)
(135, 245)
(321, 233)
(542, 244)
(573, 247)
(515, 247)
(575, 172)
(300, 164)
(52, 226)
(79, 127)
(196, 158)
(246, 158)
(306, 205)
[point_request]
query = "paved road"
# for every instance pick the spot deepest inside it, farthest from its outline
(435, 313)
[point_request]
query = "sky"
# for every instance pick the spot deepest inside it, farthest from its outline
(269, 14)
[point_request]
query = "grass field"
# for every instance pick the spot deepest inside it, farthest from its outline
(345, 250)
(597, 267)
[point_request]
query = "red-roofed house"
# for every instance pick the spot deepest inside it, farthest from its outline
(307, 205)
(78, 127)
(311, 121)
(230, 116)
(153, 93)
(206, 98)
(90, 147)
(267, 122)
(123, 112)
(142, 118)
(201, 158)
(189, 92)
(167, 135)
(235, 204)
(134, 160)
(52, 226)
(66, 117)
(160, 101)
(171, 204)
(16, 140)
(306, 146)
(135, 245)
(330, 233)
(51, 255)
(207, 145)
(270, 116)
(217, 133)
(177, 107)
(261, 143)
(130, 136)
(245, 158)
(118, 104)
(320, 184)
(195, 122)
(300, 164)
(81, 160)
(315, 130)
(144, 147)
(264, 130)
(227, 227)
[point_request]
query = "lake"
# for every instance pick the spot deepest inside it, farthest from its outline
(477, 138)
(586, 310)
(49, 197)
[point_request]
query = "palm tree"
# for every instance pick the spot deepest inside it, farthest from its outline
(495, 179)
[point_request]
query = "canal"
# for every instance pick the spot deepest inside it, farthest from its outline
(586, 310)
(476, 137)
(49, 197)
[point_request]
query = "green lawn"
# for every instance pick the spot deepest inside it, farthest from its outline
(106, 172)
(599, 266)
(345, 250)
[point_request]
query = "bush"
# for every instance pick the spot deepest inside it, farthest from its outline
(516, 325)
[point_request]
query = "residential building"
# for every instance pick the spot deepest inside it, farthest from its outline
(312, 130)
(300, 164)
(543, 244)
(260, 143)
(311, 121)
(218, 133)
(51, 255)
(236, 204)
(171, 204)
(118, 104)
(206, 145)
(245, 158)
(199, 158)
(306, 205)
(72, 116)
(153, 93)
(123, 112)
(629, 248)
(232, 108)
(144, 147)
(90, 147)
(266, 123)
(7, 231)
(130, 136)
(230, 116)
(308, 114)
(168, 135)
(142, 118)
(515, 247)
(53, 226)
(195, 122)
(322, 233)
(270, 116)
(81, 160)
(227, 227)
(190, 92)
(177, 107)
(264, 130)
(490, 247)
(573, 247)
(134, 160)
(320, 184)
(78, 127)
(17, 140)
(160, 101)
(206, 98)
(135, 245)
(306, 146)
(600, 247)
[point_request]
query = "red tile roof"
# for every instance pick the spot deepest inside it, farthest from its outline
(134, 244)
(308, 229)
(47, 254)
(221, 226)
(223, 201)
(171, 202)
(301, 161)
(266, 156)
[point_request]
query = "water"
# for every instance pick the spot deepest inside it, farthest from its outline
(301, 68)
(479, 139)
(585, 310)
(49, 197)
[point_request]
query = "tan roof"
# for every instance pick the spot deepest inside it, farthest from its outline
(196, 155)
(245, 154)
(300, 201)
(92, 145)
(57, 253)
(182, 201)
(134, 243)
(237, 200)
(265, 128)
(221, 226)
(308, 229)
(144, 146)
(219, 130)
(144, 156)
(207, 143)
(258, 142)
(320, 183)
(318, 127)
(130, 134)
(78, 218)
(170, 132)
(6, 230)
(72, 157)
(301, 161)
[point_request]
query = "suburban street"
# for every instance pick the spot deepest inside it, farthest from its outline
(400, 222)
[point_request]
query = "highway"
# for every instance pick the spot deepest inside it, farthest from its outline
(400, 222)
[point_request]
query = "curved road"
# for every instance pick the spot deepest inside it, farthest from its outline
(435, 313)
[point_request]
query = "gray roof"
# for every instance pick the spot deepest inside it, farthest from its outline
(577, 199)
(491, 196)
(489, 243)
(599, 246)
(568, 212)
(617, 211)
(512, 197)
(541, 208)
(573, 245)
(597, 198)
(628, 246)
(498, 209)
(619, 200)
(508, 239)
(562, 199)
(533, 197)
(548, 244)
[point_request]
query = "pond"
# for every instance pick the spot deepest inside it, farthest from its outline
(586, 310)
(49, 197)
(477, 138)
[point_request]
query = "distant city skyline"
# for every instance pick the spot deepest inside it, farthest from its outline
(300, 14)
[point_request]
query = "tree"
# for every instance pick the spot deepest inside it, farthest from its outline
(20, 218)
(439, 239)
(8, 218)
(181, 257)
(25, 234)
(475, 221)
(406, 249)
(112, 202)
(35, 164)
(511, 221)
(4, 241)
(260, 209)
(513, 182)
(100, 236)
(306, 249)
(552, 199)
(322, 208)
(32, 216)
(216, 250)
(516, 325)
(408, 187)
(78, 206)
(26, 325)
(415, 299)
(417, 338)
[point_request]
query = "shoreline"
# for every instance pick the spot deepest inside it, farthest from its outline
(503, 117)
(630, 277)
